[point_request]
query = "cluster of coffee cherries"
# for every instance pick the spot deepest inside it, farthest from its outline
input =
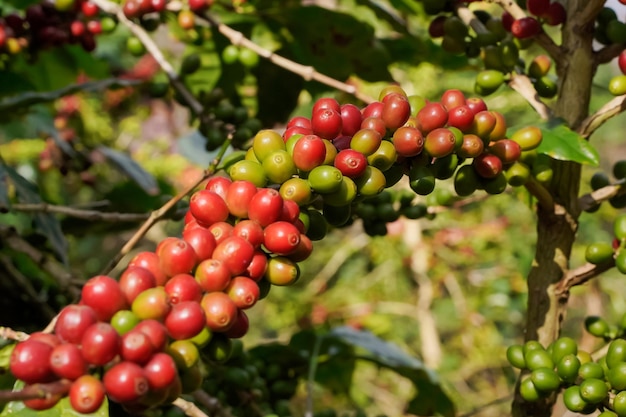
(588, 384)
(499, 44)
(138, 340)
(342, 155)
(599, 253)
(50, 24)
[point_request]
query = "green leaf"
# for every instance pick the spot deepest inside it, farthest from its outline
(45, 223)
(131, 169)
(21, 4)
(562, 143)
(430, 398)
(13, 83)
(5, 202)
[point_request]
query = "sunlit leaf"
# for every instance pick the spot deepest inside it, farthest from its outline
(131, 169)
(562, 143)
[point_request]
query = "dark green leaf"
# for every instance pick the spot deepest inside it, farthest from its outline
(21, 4)
(430, 398)
(562, 143)
(12, 83)
(45, 223)
(131, 169)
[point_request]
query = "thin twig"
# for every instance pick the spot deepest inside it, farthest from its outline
(608, 53)
(152, 48)
(60, 387)
(469, 18)
(158, 214)
(611, 109)
(211, 403)
(91, 215)
(189, 408)
(581, 275)
(10, 334)
(14, 241)
(596, 197)
(522, 84)
(307, 72)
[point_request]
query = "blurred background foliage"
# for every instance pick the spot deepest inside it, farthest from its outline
(449, 290)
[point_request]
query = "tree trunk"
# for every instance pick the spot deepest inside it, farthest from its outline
(557, 226)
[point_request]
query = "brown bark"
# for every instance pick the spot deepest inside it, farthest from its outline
(557, 226)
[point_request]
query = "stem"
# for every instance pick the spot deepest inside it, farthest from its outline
(158, 214)
(60, 387)
(310, 381)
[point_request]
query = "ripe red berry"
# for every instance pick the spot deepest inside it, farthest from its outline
(257, 267)
(299, 121)
(136, 347)
(303, 251)
(526, 27)
(351, 119)
(199, 5)
(149, 261)
(208, 207)
(309, 152)
(30, 362)
(220, 231)
(72, 322)
(48, 338)
(476, 104)
(220, 311)
(89, 9)
(161, 371)
(621, 61)
(67, 361)
(281, 238)
(250, 231)
(326, 103)
(408, 141)
(183, 287)
(461, 117)
(156, 332)
(487, 165)
(77, 28)
(219, 185)
(555, 15)
(236, 254)
(134, 280)
(100, 344)
(452, 98)
(266, 206)
(176, 257)
(45, 403)
(201, 240)
(431, 116)
(374, 123)
(440, 142)
(243, 291)
(238, 197)
(374, 109)
(86, 394)
(351, 163)
(537, 7)
(396, 111)
(104, 295)
(326, 123)
(125, 382)
(212, 275)
(185, 320)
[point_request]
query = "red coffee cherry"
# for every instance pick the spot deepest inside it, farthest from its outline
(396, 111)
(150, 261)
(219, 185)
(266, 206)
(183, 287)
(408, 141)
(86, 394)
(134, 280)
(176, 256)
(125, 382)
(208, 207)
(220, 311)
(212, 275)
(251, 231)
(201, 240)
(100, 344)
(136, 347)
(156, 332)
(236, 253)
(351, 119)
(452, 98)
(72, 322)
(243, 291)
(526, 27)
(309, 152)
(67, 361)
(487, 165)
(326, 123)
(30, 362)
(281, 238)
(161, 371)
(351, 163)
(104, 295)
(220, 231)
(431, 116)
(326, 103)
(238, 197)
(240, 328)
(185, 320)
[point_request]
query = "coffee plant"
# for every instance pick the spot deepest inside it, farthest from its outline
(207, 206)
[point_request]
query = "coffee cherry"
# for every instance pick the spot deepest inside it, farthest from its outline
(240, 328)
(439, 142)
(235, 253)
(282, 271)
(266, 206)
(396, 110)
(156, 332)
(208, 207)
(506, 150)
(183, 287)
(432, 116)
(136, 347)
(600, 252)
(41, 404)
(238, 197)
(160, 371)
(149, 261)
(153, 303)
(67, 361)
(86, 394)
(350, 163)
(538, 7)
(220, 311)
(134, 280)
(104, 295)
(461, 117)
(243, 291)
(408, 141)
(309, 152)
(30, 362)
(72, 322)
(528, 391)
(125, 382)
(100, 344)
(526, 27)
(325, 179)
(220, 231)
(556, 14)
(351, 119)
(201, 240)
(212, 275)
